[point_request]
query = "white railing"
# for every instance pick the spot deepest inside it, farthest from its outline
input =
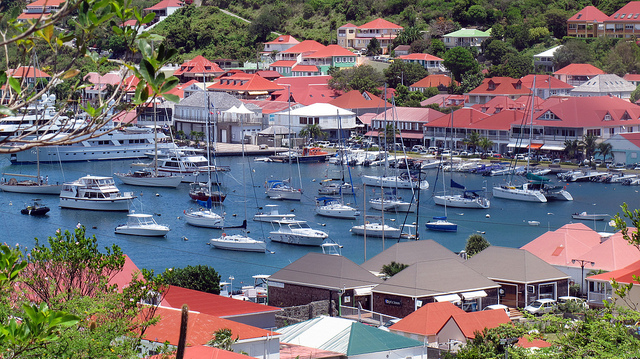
(365, 316)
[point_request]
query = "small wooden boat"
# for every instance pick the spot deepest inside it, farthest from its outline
(35, 209)
(590, 216)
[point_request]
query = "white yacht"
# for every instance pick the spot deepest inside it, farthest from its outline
(203, 217)
(94, 193)
(335, 208)
(191, 167)
(148, 178)
(402, 181)
(392, 204)
(522, 192)
(238, 242)
(272, 214)
(292, 231)
(468, 199)
(142, 225)
(276, 189)
(376, 230)
(31, 184)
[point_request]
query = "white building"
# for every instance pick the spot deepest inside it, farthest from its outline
(329, 117)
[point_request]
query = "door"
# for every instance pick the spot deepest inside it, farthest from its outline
(223, 136)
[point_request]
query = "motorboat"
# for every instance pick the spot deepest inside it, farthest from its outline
(32, 184)
(277, 189)
(142, 225)
(551, 192)
(149, 178)
(524, 192)
(378, 230)
(35, 209)
(238, 242)
(402, 181)
(192, 168)
(590, 216)
(330, 187)
(392, 203)
(441, 224)
(203, 192)
(204, 217)
(97, 193)
(272, 214)
(293, 231)
(335, 208)
(310, 155)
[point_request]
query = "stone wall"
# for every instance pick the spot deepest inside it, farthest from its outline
(301, 313)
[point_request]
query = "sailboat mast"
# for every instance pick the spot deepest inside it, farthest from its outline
(155, 140)
(533, 93)
(208, 130)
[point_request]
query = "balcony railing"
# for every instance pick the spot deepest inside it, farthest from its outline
(365, 316)
(599, 297)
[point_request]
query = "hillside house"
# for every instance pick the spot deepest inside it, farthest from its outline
(330, 118)
(358, 37)
(466, 38)
(431, 63)
(543, 62)
(605, 85)
(441, 82)
(198, 68)
(577, 74)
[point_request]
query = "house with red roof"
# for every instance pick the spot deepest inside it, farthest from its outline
(444, 100)
(198, 68)
(245, 86)
(311, 58)
(441, 82)
(358, 37)
(98, 89)
(305, 90)
(600, 289)
(360, 103)
(546, 86)
(246, 312)
(40, 9)
(408, 120)
(279, 44)
(437, 133)
(26, 74)
(497, 86)
(431, 63)
(574, 248)
(163, 9)
(543, 61)
(577, 74)
(588, 22)
(623, 23)
(256, 342)
(441, 324)
(633, 78)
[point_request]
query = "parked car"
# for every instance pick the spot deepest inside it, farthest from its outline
(464, 153)
(570, 299)
(498, 306)
(417, 148)
(544, 158)
(541, 306)
(556, 161)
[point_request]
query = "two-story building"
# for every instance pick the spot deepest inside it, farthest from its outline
(358, 37)
(497, 86)
(311, 58)
(329, 118)
(605, 85)
(591, 22)
(198, 68)
(431, 63)
(588, 22)
(577, 74)
(466, 38)
(281, 43)
(544, 61)
(40, 9)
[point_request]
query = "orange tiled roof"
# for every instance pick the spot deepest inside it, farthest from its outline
(198, 66)
(463, 118)
(305, 68)
(41, 3)
(590, 112)
(631, 77)
(380, 23)
(283, 63)
(568, 242)
(589, 14)
(245, 82)
(30, 16)
(472, 322)
(162, 5)
(434, 81)
(427, 320)
(501, 86)
(330, 51)
(418, 56)
(305, 46)
(354, 99)
(626, 13)
(544, 81)
(26, 72)
(203, 351)
(623, 275)
(306, 90)
(579, 69)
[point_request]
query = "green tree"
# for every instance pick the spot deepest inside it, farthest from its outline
(496, 50)
(393, 268)
(405, 73)
(437, 48)
(408, 36)
(201, 277)
(459, 61)
(572, 52)
(635, 95)
(361, 78)
(473, 140)
(373, 47)
(269, 19)
(476, 243)
(556, 20)
(604, 149)
(624, 58)
(477, 14)
(589, 144)
(470, 80)
(491, 343)
(572, 148)
(514, 65)
(223, 339)
(485, 144)
(388, 133)
(313, 132)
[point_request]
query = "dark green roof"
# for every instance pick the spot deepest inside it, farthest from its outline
(364, 339)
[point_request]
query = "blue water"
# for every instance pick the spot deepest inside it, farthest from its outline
(505, 225)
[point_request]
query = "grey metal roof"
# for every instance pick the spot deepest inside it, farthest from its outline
(435, 277)
(409, 253)
(222, 101)
(513, 265)
(605, 83)
(325, 271)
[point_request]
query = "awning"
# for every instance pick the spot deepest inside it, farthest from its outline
(257, 93)
(517, 145)
(362, 291)
(553, 148)
(412, 135)
(447, 298)
(535, 146)
(474, 295)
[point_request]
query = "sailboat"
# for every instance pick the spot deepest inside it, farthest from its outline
(467, 199)
(527, 192)
(241, 241)
(440, 223)
(150, 177)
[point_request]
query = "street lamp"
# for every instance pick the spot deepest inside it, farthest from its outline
(231, 278)
(582, 262)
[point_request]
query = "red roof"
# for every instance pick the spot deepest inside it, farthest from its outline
(579, 69)
(96, 78)
(129, 270)
(568, 242)
(411, 114)
(244, 82)
(45, 3)
(524, 102)
(203, 351)
(528, 342)
(600, 111)
(268, 74)
(212, 304)
(423, 57)
(284, 39)
(32, 15)
(634, 138)
(427, 320)
(380, 23)
(354, 99)
(631, 77)
(614, 253)
(434, 81)
(162, 5)
(626, 13)
(589, 14)
(305, 46)
(463, 118)
(501, 86)
(544, 81)
(306, 90)
(268, 106)
(200, 327)
(283, 63)
(497, 104)
(305, 68)
(623, 275)
(348, 25)
(445, 100)
(198, 66)
(472, 322)
(293, 351)
(124, 117)
(330, 51)
(26, 72)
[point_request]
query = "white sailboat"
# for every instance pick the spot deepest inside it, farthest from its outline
(467, 199)
(272, 214)
(142, 225)
(376, 229)
(440, 223)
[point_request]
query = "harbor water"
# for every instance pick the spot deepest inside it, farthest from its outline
(506, 223)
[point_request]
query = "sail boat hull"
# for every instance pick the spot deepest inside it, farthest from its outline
(459, 201)
(441, 224)
(204, 218)
(394, 182)
(337, 210)
(520, 193)
(149, 180)
(33, 189)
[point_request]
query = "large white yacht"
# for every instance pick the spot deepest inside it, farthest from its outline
(94, 193)
(292, 231)
(191, 167)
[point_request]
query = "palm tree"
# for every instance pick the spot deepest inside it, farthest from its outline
(392, 268)
(485, 144)
(313, 131)
(605, 150)
(589, 144)
(223, 339)
(572, 148)
(473, 140)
